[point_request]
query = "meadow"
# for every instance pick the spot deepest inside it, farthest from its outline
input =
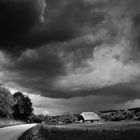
(123, 130)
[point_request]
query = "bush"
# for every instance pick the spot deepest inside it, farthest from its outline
(68, 117)
(35, 119)
(138, 114)
(106, 116)
(65, 118)
(118, 115)
(128, 114)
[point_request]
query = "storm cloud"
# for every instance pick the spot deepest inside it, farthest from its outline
(72, 48)
(17, 18)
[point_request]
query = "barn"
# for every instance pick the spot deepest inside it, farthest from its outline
(88, 116)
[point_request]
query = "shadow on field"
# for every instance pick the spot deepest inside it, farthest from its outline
(45, 132)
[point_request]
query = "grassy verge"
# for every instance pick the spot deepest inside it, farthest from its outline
(106, 131)
(35, 133)
(5, 123)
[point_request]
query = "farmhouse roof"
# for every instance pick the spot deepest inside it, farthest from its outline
(90, 116)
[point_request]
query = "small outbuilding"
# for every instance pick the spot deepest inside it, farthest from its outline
(88, 116)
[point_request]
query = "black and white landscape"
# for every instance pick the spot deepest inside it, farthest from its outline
(75, 56)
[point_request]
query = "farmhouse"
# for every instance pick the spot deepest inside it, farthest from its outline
(88, 116)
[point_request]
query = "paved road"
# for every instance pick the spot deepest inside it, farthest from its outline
(13, 132)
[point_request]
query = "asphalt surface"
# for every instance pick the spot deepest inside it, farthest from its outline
(13, 132)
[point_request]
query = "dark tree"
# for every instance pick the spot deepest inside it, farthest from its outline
(22, 108)
(6, 102)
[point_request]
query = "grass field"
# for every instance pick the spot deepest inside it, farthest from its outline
(4, 122)
(86, 131)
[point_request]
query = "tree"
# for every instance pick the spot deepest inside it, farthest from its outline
(68, 117)
(22, 108)
(36, 118)
(128, 114)
(6, 102)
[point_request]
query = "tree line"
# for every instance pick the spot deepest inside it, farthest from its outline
(119, 115)
(19, 107)
(16, 106)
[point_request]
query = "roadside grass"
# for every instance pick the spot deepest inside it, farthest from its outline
(5, 122)
(35, 133)
(86, 131)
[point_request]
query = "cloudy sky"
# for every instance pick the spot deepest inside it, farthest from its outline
(72, 55)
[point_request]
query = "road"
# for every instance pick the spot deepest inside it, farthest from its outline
(13, 132)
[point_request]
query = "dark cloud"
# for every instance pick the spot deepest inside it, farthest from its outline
(17, 17)
(64, 20)
(126, 14)
(36, 69)
(124, 92)
(136, 31)
(41, 63)
(74, 35)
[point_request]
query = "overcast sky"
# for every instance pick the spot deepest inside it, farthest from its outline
(72, 55)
